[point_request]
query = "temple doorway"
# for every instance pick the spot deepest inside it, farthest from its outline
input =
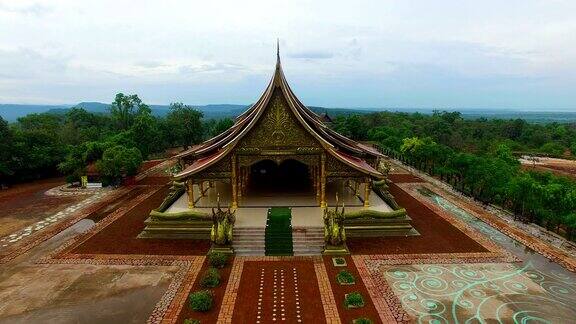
(288, 177)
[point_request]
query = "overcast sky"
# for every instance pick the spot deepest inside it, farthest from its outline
(518, 54)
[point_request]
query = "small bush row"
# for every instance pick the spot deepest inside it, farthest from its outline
(203, 300)
(354, 299)
(217, 259)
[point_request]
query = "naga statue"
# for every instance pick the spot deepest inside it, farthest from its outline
(175, 192)
(222, 225)
(334, 233)
(384, 167)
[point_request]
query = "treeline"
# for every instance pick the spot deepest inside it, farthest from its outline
(41, 145)
(476, 157)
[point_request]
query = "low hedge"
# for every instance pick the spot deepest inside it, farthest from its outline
(218, 259)
(354, 300)
(345, 277)
(210, 278)
(201, 301)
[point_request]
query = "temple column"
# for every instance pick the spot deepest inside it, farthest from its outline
(201, 187)
(356, 186)
(234, 181)
(190, 192)
(367, 193)
(323, 180)
(246, 179)
(240, 181)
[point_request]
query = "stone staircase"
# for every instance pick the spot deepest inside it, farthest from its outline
(250, 240)
(308, 240)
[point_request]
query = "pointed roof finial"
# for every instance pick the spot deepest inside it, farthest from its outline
(278, 48)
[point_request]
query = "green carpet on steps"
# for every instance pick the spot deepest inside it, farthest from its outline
(278, 237)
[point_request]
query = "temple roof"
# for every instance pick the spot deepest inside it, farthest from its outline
(341, 147)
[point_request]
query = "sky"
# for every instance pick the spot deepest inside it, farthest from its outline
(512, 54)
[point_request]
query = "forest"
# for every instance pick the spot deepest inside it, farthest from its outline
(480, 158)
(47, 144)
(476, 156)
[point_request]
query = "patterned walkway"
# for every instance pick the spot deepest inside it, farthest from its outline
(278, 290)
(444, 289)
(46, 222)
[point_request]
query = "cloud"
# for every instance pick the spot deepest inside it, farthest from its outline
(34, 9)
(150, 64)
(27, 63)
(311, 55)
(371, 53)
(214, 67)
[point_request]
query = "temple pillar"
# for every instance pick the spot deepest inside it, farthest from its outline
(240, 181)
(234, 181)
(356, 186)
(317, 180)
(201, 187)
(323, 180)
(190, 192)
(367, 193)
(246, 179)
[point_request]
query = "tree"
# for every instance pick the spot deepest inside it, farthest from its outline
(221, 126)
(81, 126)
(184, 124)
(125, 108)
(119, 161)
(552, 148)
(38, 148)
(504, 153)
(6, 148)
(146, 134)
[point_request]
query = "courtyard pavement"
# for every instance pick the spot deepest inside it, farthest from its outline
(60, 273)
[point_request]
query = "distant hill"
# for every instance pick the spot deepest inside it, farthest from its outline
(11, 112)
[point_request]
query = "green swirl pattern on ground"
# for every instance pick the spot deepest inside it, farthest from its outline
(534, 291)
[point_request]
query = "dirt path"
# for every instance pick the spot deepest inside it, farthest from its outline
(25, 204)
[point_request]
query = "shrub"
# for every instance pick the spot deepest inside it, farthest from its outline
(345, 277)
(339, 261)
(218, 259)
(210, 278)
(201, 301)
(353, 300)
(191, 321)
(363, 320)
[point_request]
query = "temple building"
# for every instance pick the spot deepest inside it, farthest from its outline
(278, 143)
(278, 154)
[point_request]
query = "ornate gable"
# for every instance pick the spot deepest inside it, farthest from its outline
(278, 129)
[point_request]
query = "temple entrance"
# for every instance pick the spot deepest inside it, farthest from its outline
(288, 177)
